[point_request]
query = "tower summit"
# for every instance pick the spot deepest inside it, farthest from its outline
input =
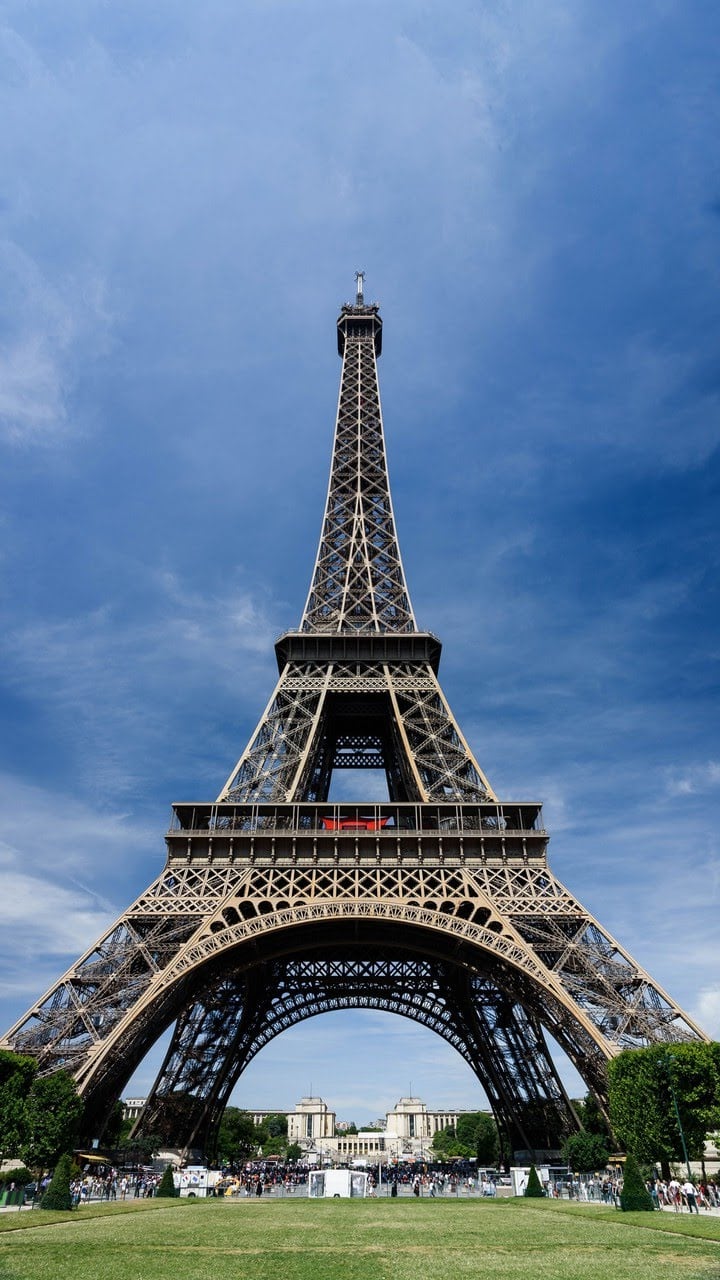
(276, 904)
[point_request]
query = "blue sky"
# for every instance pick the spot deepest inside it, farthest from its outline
(534, 193)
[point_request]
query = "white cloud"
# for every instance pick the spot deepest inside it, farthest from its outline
(116, 685)
(53, 328)
(47, 830)
(696, 779)
(57, 862)
(707, 1011)
(65, 874)
(67, 919)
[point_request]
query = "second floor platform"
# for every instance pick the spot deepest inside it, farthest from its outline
(357, 832)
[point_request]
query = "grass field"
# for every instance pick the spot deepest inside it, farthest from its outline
(356, 1240)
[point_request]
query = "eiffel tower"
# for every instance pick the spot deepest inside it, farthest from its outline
(275, 904)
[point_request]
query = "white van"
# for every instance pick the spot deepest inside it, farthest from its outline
(196, 1181)
(336, 1183)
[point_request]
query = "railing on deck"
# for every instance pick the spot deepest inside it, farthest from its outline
(385, 819)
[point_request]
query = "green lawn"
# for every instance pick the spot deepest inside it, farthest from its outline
(356, 1240)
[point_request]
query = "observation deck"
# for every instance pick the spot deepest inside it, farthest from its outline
(357, 833)
(358, 646)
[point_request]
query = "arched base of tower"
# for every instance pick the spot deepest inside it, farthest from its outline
(241, 1004)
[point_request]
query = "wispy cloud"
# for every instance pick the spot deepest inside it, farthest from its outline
(707, 1010)
(52, 329)
(114, 685)
(60, 862)
(695, 780)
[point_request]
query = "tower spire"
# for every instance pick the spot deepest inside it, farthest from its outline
(358, 583)
(358, 610)
(359, 281)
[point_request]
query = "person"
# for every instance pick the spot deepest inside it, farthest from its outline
(416, 1186)
(258, 1189)
(688, 1190)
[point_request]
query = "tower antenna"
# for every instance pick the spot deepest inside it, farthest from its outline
(359, 282)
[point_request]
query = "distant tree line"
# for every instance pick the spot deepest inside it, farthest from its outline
(239, 1138)
(475, 1136)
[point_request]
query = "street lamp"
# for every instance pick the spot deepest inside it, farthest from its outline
(666, 1060)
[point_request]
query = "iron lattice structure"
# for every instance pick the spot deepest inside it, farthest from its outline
(275, 905)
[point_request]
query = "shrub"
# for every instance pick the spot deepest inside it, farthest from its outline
(533, 1187)
(634, 1194)
(167, 1184)
(58, 1194)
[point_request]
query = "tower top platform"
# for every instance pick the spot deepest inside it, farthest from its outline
(359, 322)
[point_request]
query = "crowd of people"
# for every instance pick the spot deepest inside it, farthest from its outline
(684, 1195)
(262, 1179)
(432, 1179)
(111, 1184)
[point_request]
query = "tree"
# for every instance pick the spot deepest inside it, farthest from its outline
(505, 1151)
(591, 1117)
(445, 1144)
(533, 1188)
(167, 1187)
(142, 1149)
(274, 1146)
(39, 1117)
(467, 1127)
(53, 1112)
(17, 1072)
(124, 1134)
(175, 1113)
(593, 1120)
(294, 1152)
(475, 1134)
(115, 1124)
(236, 1136)
(487, 1140)
(19, 1175)
(642, 1109)
(58, 1194)
(585, 1152)
(634, 1194)
(276, 1125)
